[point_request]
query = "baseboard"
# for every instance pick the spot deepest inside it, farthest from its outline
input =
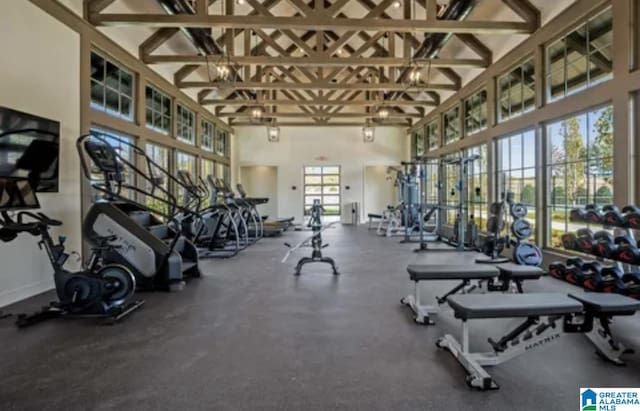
(17, 294)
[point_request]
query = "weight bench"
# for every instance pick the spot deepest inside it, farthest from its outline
(372, 217)
(548, 317)
(500, 278)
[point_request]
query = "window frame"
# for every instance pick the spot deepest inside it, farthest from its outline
(446, 123)
(523, 107)
(155, 113)
(322, 195)
(588, 83)
(473, 106)
(188, 116)
(204, 136)
(106, 87)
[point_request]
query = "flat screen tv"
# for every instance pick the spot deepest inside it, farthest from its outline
(29, 148)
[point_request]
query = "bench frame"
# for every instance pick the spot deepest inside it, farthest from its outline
(500, 283)
(533, 333)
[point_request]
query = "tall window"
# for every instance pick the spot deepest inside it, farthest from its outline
(432, 137)
(579, 164)
(184, 162)
(186, 123)
(158, 110)
(159, 155)
(119, 143)
(516, 168)
(226, 174)
(207, 168)
(418, 136)
(581, 59)
(221, 142)
(452, 125)
(477, 188)
(111, 88)
(322, 183)
(208, 136)
(517, 91)
(451, 192)
(475, 112)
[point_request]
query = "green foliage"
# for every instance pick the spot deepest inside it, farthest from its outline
(602, 145)
(528, 195)
(604, 195)
(575, 150)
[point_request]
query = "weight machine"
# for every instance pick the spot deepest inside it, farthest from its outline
(460, 242)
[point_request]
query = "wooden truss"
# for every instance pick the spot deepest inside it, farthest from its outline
(321, 57)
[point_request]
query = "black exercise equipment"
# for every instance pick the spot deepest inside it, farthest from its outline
(628, 253)
(157, 253)
(612, 216)
(584, 240)
(315, 223)
(577, 274)
(569, 241)
(525, 253)
(632, 217)
(594, 214)
(607, 279)
(100, 290)
(577, 215)
(546, 317)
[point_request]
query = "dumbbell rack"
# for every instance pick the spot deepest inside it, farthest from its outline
(610, 218)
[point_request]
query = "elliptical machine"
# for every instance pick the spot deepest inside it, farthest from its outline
(100, 290)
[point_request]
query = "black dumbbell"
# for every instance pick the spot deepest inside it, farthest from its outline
(612, 216)
(628, 253)
(594, 214)
(557, 269)
(569, 241)
(578, 275)
(604, 244)
(606, 280)
(632, 217)
(584, 240)
(577, 215)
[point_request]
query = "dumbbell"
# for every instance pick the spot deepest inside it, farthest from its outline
(578, 215)
(603, 244)
(632, 217)
(612, 216)
(593, 214)
(606, 280)
(578, 275)
(630, 285)
(569, 241)
(557, 269)
(627, 253)
(584, 240)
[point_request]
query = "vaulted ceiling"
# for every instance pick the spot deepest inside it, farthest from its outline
(321, 61)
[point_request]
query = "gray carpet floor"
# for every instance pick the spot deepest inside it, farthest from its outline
(251, 336)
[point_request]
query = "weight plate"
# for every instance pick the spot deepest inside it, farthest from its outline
(121, 284)
(521, 229)
(495, 208)
(495, 225)
(519, 210)
(527, 254)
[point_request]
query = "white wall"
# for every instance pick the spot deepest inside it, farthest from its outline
(262, 181)
(39, 74)
(300, 146)
(379, 192)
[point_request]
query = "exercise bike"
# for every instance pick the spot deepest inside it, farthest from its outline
(99, 291)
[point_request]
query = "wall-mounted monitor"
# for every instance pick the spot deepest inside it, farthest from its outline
(29, 148)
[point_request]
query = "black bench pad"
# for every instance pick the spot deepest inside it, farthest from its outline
(520, 272)
(608, 303)
(470, 306)
(419, 272)
(372, 216)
